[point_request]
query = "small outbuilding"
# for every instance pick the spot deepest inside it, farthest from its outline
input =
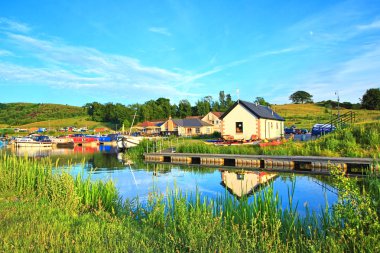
(247, 121)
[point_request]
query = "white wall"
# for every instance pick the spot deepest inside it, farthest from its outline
(240, 114)
(271, 129)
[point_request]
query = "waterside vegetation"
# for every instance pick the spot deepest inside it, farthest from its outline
(45, 211)
(359, 140)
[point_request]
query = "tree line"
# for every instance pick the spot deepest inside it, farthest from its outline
(159, 109)
(369, 101)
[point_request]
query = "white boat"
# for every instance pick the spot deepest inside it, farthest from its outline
(128, 141)
(40, 141)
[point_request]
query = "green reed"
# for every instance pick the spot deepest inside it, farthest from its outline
(55, 212)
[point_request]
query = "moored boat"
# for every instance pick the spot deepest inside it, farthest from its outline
(37, 141)
(82, 139)
(128, 141)
(63, 142)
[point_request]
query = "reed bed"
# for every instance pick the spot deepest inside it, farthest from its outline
(45, 211)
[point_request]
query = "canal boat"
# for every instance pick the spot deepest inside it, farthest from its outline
(81, 139)
(63, 142)
(36, 141)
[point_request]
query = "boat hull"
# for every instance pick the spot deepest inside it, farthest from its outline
(126, 142)
(33, 144)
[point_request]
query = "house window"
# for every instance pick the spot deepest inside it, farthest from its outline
(271, 125)
(239, 127)
(277, 125)
(208, 130)
(198, 130)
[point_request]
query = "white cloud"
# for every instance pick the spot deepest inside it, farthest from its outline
(65, 66)
(10, 25)
(160, 30)
(5, 53)
(374, 25)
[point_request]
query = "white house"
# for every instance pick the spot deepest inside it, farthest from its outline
(214, 119)
(246, 121)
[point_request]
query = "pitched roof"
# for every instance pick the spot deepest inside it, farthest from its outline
(193, 117)
(217, 114)
(150, 123)
(191, 122)
(258, 110)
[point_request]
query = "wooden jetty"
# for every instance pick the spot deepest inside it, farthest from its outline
(313, 164)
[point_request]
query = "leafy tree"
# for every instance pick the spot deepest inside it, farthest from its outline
(229, 101)
(261, 101)
(203, 106)
(371, 99)
(164, 104)
(222, 101)
(301, 97)
(184, 108)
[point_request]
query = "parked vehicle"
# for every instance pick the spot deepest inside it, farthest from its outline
(320, 129)
(290, 130)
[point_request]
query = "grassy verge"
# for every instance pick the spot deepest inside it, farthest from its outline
(361, 140)
(42, 211)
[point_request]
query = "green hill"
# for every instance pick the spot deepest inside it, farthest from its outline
(306, 115)
(16, 114)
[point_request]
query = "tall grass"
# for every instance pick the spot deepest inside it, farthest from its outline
(355, 141)
(55, 212)
(31, 177)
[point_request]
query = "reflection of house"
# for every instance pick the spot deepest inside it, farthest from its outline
(149, 127)
(245, 183)
(214, 119)
(245, 120)
(186, 127)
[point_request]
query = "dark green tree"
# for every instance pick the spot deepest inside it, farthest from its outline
(371, 99)
(301, 97)
(184, 108)
(261, 101)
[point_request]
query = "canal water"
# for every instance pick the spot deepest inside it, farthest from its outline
(140, 179)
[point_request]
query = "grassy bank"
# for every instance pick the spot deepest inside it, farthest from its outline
(362, 140)
(306, 115)
(45, 211)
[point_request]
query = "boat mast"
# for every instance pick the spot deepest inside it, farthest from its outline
(130, 129)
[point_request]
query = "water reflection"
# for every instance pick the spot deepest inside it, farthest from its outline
(140, 179)
(244, 183)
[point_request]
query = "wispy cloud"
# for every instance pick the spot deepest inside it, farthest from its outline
(10, 25)
(5, 53)
(239, 62)
(160, 30)
(374, 25)
(65, 66)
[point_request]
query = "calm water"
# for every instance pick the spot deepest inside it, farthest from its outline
(138, 180)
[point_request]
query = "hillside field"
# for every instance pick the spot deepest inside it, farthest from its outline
(17, 114)
(306, 115)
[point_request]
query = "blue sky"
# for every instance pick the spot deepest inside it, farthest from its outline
(74, 52)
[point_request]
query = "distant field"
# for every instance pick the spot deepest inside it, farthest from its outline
(306, 115)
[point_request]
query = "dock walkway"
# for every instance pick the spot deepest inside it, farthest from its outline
(315, 164)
